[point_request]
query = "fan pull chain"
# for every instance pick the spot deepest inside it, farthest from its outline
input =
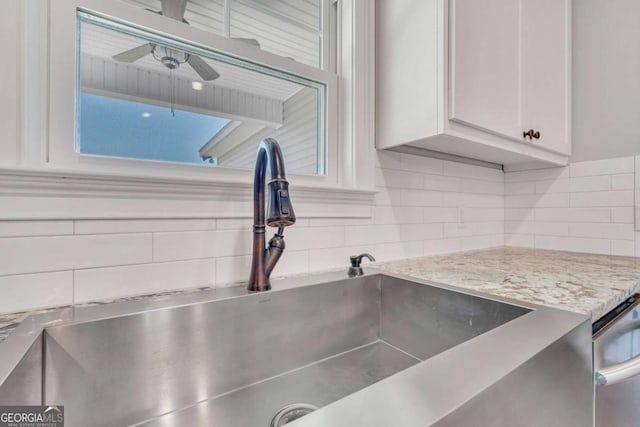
(172, 89)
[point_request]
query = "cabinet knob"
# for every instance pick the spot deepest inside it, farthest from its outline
(532, 134)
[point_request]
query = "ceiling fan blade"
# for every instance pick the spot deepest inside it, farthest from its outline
(134, 54)
(202, 68)
(174, 9)
(253, 42)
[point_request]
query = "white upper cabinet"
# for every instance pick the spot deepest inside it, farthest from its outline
(471, 77)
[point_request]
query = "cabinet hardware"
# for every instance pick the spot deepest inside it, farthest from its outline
(532, 134)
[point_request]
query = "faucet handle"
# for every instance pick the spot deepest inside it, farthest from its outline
(355, 269)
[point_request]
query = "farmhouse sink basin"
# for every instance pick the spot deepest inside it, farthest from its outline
(374, 350)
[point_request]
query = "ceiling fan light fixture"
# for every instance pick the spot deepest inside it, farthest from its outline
(170, 58)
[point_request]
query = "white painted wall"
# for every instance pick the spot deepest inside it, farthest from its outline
(606, 79)
(424, 206)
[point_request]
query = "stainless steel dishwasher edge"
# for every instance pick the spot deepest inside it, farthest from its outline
(616, 358)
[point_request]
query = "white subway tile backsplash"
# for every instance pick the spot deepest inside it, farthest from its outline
(442, 183)
(113, 282)
(293, 262)
(537, 228)
(398, 215)
(622, 182)
(602, 167)
(623, 247)
(519, 214)
(35, 228)
(586, 207)
(477, 186)
(440, 214)
(520, 188)
(41, 254)
(538, 200)
(388, 197)
(573, 214)
(421, 198)
(391, 178)
(574, 244)
(371, 235)
(473, 200)
(462, 185)
(421, 164)
(602, 230)
(233, 269)
(624, 214)
(537, 175)
(141, 225)
(33, 291)
(553, 186)
(411, 232)
(481, 214)
(399, 250)
(235, 224)
(388, 160)
(423, 206)
(468, 243)
(474, 229)
(520, 240)
(520, 227)
(551, 228)
(231, 243)
(602, 198)
(441, 246)
(302, 238)
(590, 183)
(471, 171)
(173, 246)
(337, 222)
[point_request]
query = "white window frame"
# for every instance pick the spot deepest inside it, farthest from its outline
(48, 118)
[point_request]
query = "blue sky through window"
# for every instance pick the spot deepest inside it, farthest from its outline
(120, 128)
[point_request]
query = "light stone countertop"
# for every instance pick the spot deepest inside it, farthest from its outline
(584, 283)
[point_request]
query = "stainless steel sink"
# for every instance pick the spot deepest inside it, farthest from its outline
(236, 360)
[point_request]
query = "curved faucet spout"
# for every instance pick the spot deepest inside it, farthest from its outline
(280, 213)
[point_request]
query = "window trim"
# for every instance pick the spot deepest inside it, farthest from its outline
(43, 151)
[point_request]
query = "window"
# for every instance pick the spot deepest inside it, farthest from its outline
(146, 96)
(342, 49)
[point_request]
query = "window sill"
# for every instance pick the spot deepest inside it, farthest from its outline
(29, 194)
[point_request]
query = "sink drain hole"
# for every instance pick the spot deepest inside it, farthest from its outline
(291, 412)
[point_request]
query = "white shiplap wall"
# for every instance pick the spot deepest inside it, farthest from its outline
(288, 28)
(424, 206)
(584, 207)
(298, 137)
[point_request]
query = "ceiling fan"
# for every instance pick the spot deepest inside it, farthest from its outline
(169, 57)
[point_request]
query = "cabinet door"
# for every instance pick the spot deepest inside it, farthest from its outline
(484, 65)
(546, 59)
